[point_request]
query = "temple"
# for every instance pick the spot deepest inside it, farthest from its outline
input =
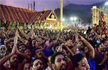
(100, 21)
(24, 18)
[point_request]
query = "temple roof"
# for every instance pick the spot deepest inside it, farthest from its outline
(12, 14)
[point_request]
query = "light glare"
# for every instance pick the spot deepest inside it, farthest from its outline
(106, 3)
(63, 19)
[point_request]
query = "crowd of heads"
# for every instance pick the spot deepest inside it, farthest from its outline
(44, 49)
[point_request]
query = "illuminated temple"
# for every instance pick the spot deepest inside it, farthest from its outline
(24, 18)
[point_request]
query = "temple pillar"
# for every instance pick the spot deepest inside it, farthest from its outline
(61, 12)
(95, 15)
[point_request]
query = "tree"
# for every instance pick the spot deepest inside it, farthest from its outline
(105, 10)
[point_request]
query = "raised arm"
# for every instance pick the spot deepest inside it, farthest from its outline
(3, 60)
(76, 37)
(24, 34)
(52, 44)
(89, 46)
(22, 40)
(16, 50)
(7, 43)
(5, 33)
(22, 54)
(43, 37)
(61, 40)
(67, 44)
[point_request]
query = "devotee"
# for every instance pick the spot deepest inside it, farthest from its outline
(58, 61)
(101, 57)
(49, 63)
(13, 58)
(3, 50)
(31, 44)
(37, 65)
(27, 66)
(80, 62)
(40, 55)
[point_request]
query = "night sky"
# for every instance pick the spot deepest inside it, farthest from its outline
(48, 4)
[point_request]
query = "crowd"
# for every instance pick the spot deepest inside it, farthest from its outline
(45, 49)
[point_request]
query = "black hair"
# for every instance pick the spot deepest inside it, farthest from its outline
(64, 47)
(28, 32)
(33, 61)
(56, 46)
(27, 62)
(21, 45)
(70, 47)
(77, 58)
(54, 56)
(36, 49)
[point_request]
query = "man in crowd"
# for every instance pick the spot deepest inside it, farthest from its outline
(13, 58)
(3, 50)
(37, 65)
(27, 66)
(101, 57)
(58, 61)
(80, 62)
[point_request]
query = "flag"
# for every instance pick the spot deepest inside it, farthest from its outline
(20, 24)
(9, 25)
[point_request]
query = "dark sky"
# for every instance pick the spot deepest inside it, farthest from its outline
(48, 4)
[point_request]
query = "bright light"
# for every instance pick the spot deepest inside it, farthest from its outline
(71, 18)
(63, 19)
(75, 18)
(94, 7)
(106, 3)
(50, 26)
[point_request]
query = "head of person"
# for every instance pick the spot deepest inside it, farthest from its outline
(79, 44)
(37, 65)
(64, 51)
(11, 44)
(102, 48)
(38, 52)
(33, 42)
(89, 27)
(86, 51)
(26, 66)
(56, 46)
(106, 43)
(49, 61)
(3, 50)
(80, 62)
(58, 61)
(14, 61)
(22, 48)
(28, 52)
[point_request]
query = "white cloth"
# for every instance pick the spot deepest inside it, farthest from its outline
(48, 68)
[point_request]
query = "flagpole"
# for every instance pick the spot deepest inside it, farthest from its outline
(61, 12)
